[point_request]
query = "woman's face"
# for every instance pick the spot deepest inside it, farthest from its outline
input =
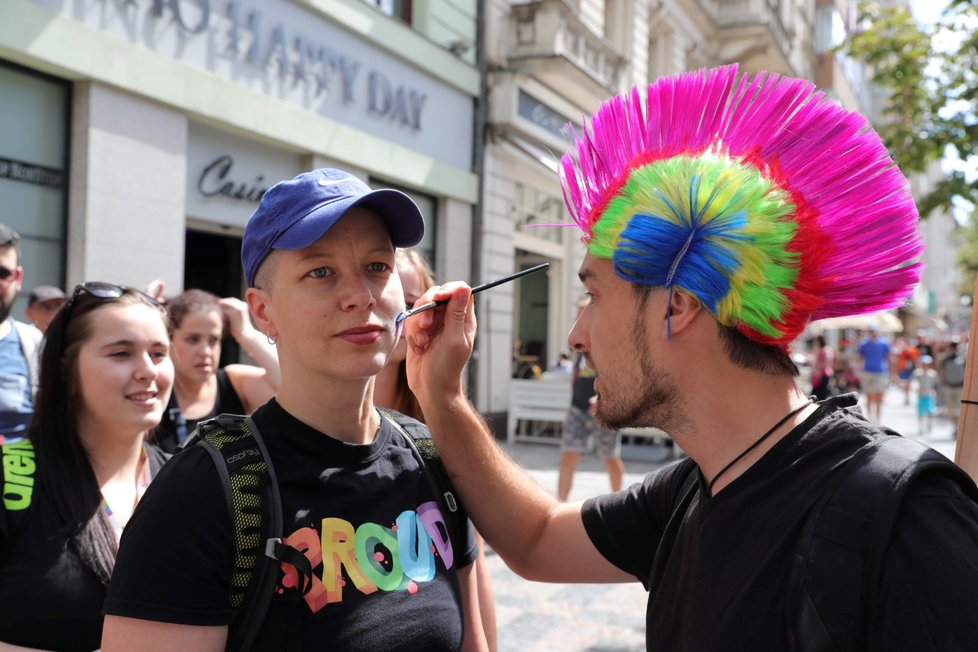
(197, 346)
(124, 372)
(332, 304)
(413, 289)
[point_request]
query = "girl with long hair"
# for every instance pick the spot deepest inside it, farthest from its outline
(390, 387)
(70, 488)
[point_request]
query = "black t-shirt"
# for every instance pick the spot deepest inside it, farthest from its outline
(49, 598)
(718, 574)
(363, 512)
(582, 389)
(174, 427)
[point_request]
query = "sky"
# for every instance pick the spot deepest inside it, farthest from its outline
(927, 11)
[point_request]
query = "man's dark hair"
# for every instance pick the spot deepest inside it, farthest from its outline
(740, 349)
(8, 237)
(749, 354)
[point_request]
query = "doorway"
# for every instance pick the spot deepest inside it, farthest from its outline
(532, 314)
(212, 262)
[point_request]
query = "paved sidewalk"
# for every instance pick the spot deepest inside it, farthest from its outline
(902, 417)
(537, 617)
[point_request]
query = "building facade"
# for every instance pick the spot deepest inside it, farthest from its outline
(138, 136)
(549, 64)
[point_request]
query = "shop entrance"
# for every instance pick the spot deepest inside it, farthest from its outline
(212, 262)
(530, 343)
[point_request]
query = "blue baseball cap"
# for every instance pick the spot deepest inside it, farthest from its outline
(296, 213)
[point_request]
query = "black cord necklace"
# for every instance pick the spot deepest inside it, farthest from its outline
(709, 487)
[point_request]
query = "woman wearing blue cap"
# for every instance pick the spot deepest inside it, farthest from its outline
(318, 256)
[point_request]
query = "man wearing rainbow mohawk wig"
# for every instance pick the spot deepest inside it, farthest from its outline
(721, 214)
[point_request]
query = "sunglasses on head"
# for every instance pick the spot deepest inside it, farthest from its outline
(101, 290)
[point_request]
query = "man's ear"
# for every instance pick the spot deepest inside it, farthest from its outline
(259, 303)
(683, 310)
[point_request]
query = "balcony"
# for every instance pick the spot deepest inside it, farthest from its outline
(764, 34)
(549, 41)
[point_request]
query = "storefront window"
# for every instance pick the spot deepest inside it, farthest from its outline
(397, 8)
(33, 172)
(530, 346)
(535, 208)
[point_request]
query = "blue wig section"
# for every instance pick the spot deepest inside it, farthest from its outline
(649, 246)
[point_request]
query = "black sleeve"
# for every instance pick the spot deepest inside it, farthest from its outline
(930, 575)
(626, 526)
(176, 553)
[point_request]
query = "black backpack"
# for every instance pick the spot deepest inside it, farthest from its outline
(255, 505)
(845, 537)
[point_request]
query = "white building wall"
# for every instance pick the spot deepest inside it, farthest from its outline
(653, 38)
(125, 221)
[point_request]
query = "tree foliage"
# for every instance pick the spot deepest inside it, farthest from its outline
(930, 77)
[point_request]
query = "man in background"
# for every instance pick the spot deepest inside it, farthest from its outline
(19, 344)
(874, 351)
(952, 380)
(43, 304)
(582, 429)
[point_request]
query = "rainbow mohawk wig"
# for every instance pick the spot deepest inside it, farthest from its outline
(767, 201)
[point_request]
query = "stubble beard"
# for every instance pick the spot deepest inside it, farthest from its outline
(5, 307)
(653, 400)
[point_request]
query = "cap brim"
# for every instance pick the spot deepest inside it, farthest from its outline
(400, 214)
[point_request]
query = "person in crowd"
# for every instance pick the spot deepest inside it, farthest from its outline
(716, 228)
(952, 381)
(823, 368)
(582, 429)
(391, 391)
(198, 321)
(20, 345)
(927, 381)
(925, 345)
(390, 387)
(318, 257)
(874, 352)
(42, 304)
(906, 364)
(564, 366)
(70, 488)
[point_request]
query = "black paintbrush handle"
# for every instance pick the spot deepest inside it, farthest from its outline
(478, 288)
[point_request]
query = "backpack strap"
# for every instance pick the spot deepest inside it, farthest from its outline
(255, 506)
(846, 536)
(30, 345)
(418, 438)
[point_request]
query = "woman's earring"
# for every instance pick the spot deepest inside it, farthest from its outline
(271, 340)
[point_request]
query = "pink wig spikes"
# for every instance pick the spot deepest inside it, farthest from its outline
(767, 201)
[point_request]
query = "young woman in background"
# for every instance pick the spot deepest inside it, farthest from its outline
(71, 487)
(202, 390)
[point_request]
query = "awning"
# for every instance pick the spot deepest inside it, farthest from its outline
(535, 153)
(885, 322)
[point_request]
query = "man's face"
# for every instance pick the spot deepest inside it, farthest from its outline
(11, 277)
(42, 312)
(615, 331)
(332, 305)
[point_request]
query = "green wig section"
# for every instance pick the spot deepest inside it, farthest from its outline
(713, 227)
